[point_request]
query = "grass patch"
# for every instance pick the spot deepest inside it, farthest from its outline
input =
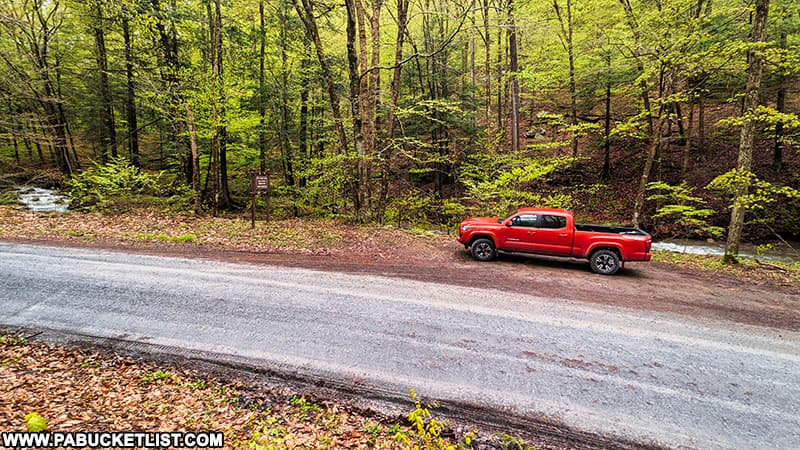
(9, 197)
(156, 376)
(166, 237)
(12, 341)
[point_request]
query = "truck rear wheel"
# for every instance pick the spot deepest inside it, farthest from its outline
(483, 249)
(604, 262)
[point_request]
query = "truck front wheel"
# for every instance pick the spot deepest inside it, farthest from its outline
(483, 249)
(604, 262)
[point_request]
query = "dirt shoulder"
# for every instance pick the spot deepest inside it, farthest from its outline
(746, 295)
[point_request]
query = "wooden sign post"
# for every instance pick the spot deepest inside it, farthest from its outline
(259, 184)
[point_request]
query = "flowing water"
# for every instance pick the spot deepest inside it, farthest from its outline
(781, 252)
(42, 200)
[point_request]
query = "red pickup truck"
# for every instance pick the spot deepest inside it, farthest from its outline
(554, 232)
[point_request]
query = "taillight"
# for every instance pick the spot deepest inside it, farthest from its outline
(647, 245)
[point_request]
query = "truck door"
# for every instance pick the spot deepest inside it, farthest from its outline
(521, 232)
(552, 236)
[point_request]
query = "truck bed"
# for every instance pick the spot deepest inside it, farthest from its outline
(608, 229)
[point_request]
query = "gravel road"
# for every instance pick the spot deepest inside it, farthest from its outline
(637, 375)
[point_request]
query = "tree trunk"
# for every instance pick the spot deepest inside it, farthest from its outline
(130, 98)
(566, 31)
(648, 166)
(780, 105)
(303, 131)
(487, 65)
(195, 161)
(108, 134)
(220, 139)
(306, 14)
(170, 69)
(286, 146)
(606, 174)
(687, 145)
(747, 136)
(514, 67)
(262, 91)
(633, 24)
(388, 152)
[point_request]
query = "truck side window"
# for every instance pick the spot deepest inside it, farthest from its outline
(524, 220)
(554, 222)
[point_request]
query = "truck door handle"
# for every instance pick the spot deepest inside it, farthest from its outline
(563, 234)
(531, 232)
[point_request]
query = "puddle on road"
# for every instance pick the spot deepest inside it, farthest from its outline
(42, 200)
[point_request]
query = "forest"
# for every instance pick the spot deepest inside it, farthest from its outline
(678, 116)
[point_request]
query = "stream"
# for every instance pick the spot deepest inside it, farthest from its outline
(781, 252)
(42, 200)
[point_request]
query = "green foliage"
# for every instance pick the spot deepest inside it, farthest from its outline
(426, 430)
(166, 238)
(35, 423)
(156, 376)
(100, 185)
(508, 442)
(330, 179)
(13, 341)
(683, 208)
(766, 116)
(411, 209)
(504, 182)
(761, 194)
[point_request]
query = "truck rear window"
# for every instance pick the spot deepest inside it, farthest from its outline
(553, 222)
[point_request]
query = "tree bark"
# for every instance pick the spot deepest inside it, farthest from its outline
(286, 146)
(306, 14)
(130, 97)
(388, 150)
(633, 24)
(780, 105)
(514, 67)
(566, 32)
(606, 174)
(648, 166)
(220, 138)
(195, 161)
(262, 91)
(747, 136)
(108, 134)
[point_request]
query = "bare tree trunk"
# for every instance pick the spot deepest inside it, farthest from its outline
(633, 24)
(487, 66)
(747, 137)
(780, 105)
(514, 67)
(221, 128)
(195, 161)
(306, 14)
(648, 166)
(130, 98)
(108, 134)
(606, 174)
(303, 125)
(388, 152)
(566, 32)
(262, 90)
(286, 146)
(687, 145)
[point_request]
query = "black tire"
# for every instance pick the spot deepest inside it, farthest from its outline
(483, 249)
(605, 262)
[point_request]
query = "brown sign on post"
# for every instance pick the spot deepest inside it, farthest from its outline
(259, 183)
(262, 183)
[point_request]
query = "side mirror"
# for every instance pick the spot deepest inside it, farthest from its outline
(507, 223)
